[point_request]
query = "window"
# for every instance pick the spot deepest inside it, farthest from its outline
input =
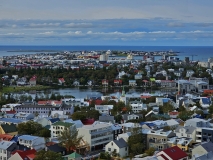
(126, 149)
(112, 143)
(109, 149)
(115, 150)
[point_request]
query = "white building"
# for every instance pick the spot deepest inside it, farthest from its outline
(6, 147)
(96, 135)
(103, 109)
(58, 127)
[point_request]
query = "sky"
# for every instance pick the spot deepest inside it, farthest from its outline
(106, 22)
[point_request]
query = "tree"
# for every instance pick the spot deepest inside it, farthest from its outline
(211, 109)
(105, 156)
(135, 142)
(150, 151)
(78, 116)
(69, 138)
(185, 115)
(48, 155)
(45, 133)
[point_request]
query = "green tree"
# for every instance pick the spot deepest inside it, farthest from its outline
(211, 110)
(45, 133)
(150, 151)
(69, 138)
(48, 155)
(78, 116)
(104, 156)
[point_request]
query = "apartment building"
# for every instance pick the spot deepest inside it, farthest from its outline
(96, 135)
(58, 127)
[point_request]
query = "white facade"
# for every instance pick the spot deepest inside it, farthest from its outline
(103, 109)
(137, 107)
(4, 152)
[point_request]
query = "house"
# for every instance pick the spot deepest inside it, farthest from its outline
(6, 137)
(186, 131)
(61, 80)
(120, 147)
(197, 122)
(47, 121)
(103, 109)
(21, 81)
(24, 116)
(138, 76)
(189, 73)
(96, 135)
(137, 106)
(107, 118)
(172, 153)
(76, 83)
(168, 83)
(185, 86)
(76, 123)
(127, 117)
(205, 102)
(32, 81)
(128, 127)
(23, 155)
(89, 83)
(56, 148)
(10, 129)
(34, 142)
(178, 73)
(158, 139)
(58, 127)
(117, 82)
(116, 130)
(202, 149)
(183, 143)
(105, 82)
(173, 114)
(6, 149)
(10, 121)
(132, 83)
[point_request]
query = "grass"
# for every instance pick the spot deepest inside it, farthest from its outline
(23, 88)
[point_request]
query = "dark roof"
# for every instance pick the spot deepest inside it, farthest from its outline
(56, 148)
(8, 128)
(175, 153)
(106, 118)
(12, 147)
(121, 143)
(53, 120)
(208, 146)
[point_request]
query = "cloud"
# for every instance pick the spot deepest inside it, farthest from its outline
(47, 33)
(42, 25)
(175, 24)
(78, 25)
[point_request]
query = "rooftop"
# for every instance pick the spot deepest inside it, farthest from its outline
(65, 124)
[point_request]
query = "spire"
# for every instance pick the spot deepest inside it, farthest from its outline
(123, 92)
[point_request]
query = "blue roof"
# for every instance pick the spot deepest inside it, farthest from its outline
(147, 123)
(27, 137)
(53, 120)
(205, 101)
(11, 120)
(165, 100)
(15, 139)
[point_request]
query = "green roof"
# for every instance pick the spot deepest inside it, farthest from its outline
(74, 155)
(65, 124)
(8, 128)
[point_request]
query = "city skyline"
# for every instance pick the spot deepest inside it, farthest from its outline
(95, 22)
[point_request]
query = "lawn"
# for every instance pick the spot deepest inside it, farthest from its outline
(23, 88)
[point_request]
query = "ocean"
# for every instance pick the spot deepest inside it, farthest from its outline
(202, 53)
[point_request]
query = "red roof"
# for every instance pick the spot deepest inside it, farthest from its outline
(62, 80)
(175, 153)
(145, 81)
(97, 102)
(26, 154)
(144, 97)
(32, 79)
(5, 137)
(117, 81)
(164, 157)
(173, 113)
(88, 121)
(104, 81)
(44, 102)
(11, 112)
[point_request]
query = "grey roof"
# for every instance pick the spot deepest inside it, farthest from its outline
(126, 115)
(208, 146)
(5, 144)
(189, 129)
(121, 143)
(106, 118)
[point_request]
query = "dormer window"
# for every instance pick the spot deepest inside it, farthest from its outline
(112, 143)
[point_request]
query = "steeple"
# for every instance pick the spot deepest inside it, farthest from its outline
(123, 92)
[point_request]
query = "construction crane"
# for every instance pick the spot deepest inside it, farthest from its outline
(193, 56)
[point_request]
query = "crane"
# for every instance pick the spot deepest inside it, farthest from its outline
(193, 56)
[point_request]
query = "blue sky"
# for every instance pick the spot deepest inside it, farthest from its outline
(106, 22)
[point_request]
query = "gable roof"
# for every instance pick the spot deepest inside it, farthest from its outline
(5, 144)
(6, 137)
(65, 124)
(121, 143)
(26, 154)
(175, 153)
(56, 148)
(74, 155)
(8, 128)
(53, 120)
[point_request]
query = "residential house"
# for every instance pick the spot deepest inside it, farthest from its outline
(197, 122)
(23, 155)
(21, 81)
(172, 153)
(104, 109)
(90, 83)
(73, 156)
(127, 117)
(107, 118)
(189, 73)
(132, 83)
(105, 82)
(76, 123)
(58, 127)
(168, 83)
(97, 135)
(186, 131)
(32, 81)
(6, 137)
(183, 143)
(6, 149)
(138, 76)
(76, 83)
(24, 116)
(205, 102)
(128, 127)
(200, 83)
(185, 86)
(117, 82)
(56, 148)
(158, 139)
(10, 121)
(178, 73)
(10, 129)
(34, 142)
(202, 149)
(47, 121)
(120, 147)
(61, 81)
(137, 106)
(173, 114)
